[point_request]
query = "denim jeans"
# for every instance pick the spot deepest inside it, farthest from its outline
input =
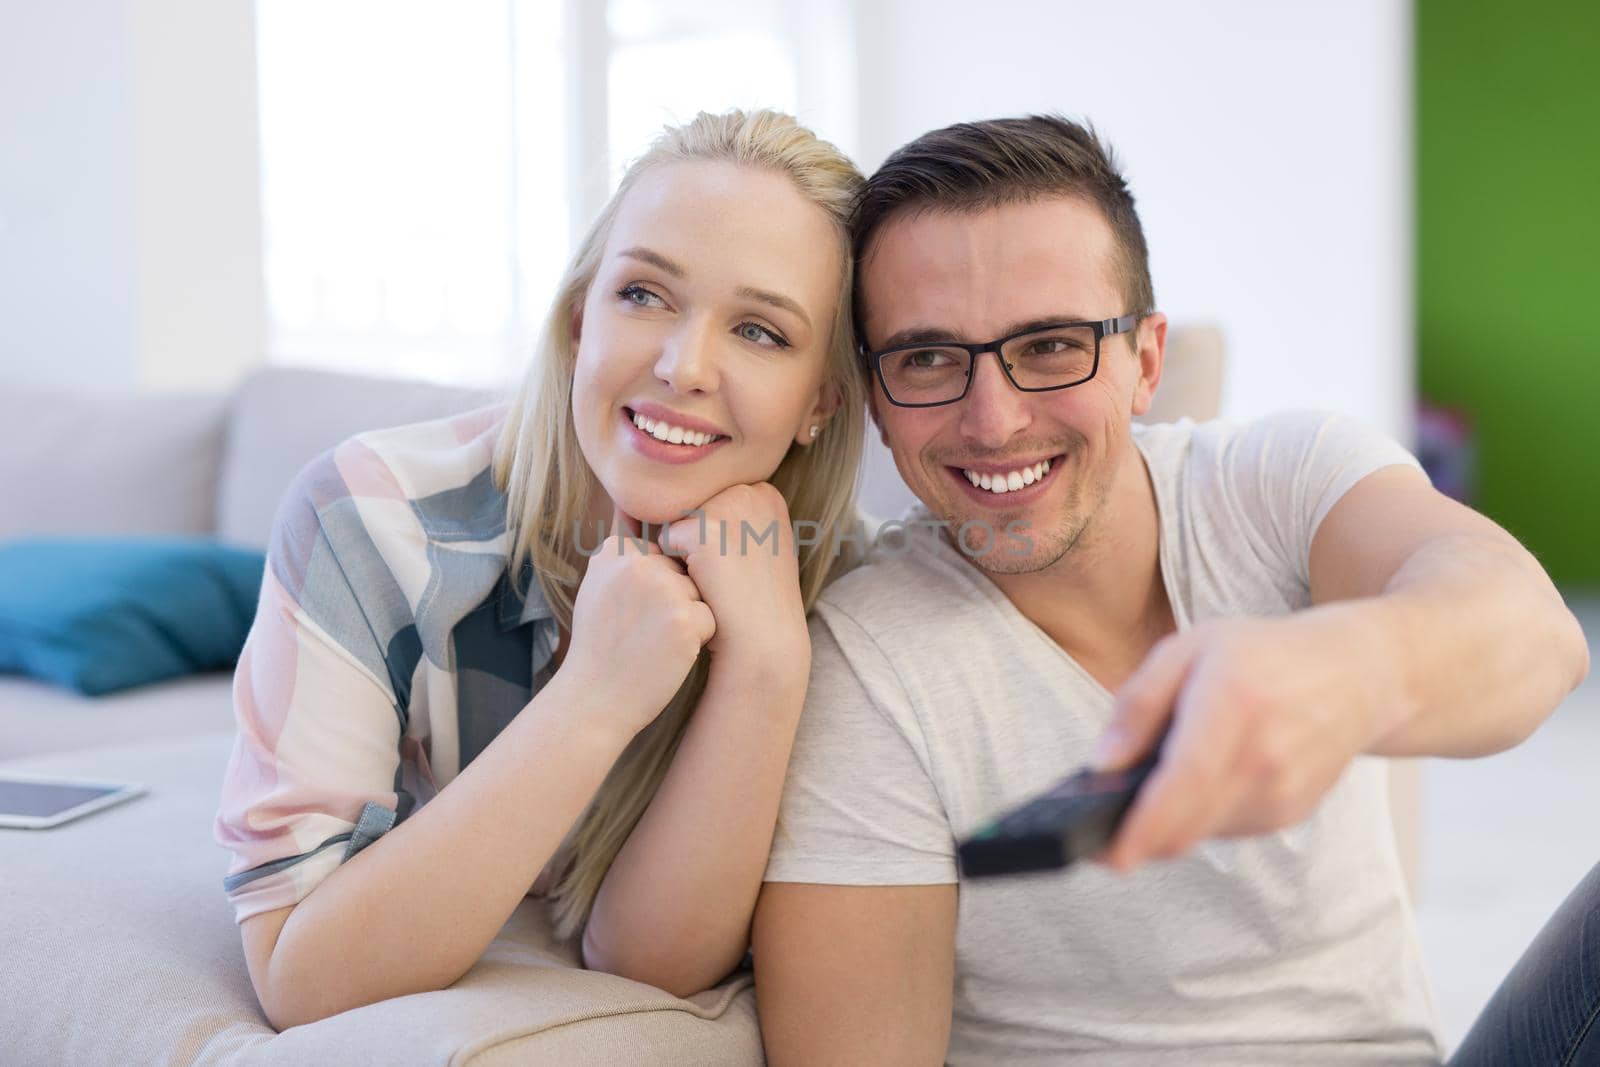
(1547, 1011)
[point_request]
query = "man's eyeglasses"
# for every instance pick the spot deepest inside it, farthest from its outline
(1057, 356)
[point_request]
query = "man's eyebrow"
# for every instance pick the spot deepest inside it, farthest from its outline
(778, 300)
(655, 259)
(928, 335)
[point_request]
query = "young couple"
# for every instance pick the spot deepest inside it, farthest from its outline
(450, 695)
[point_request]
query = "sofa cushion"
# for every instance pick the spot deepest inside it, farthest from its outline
(1191, 376)
(37, 717)
(281, 418)
(73, 462)
(121, 948)
(102, 614)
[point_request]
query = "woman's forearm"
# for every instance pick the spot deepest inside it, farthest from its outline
(415, 910)
(674, 910)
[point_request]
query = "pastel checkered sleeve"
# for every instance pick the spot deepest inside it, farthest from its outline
(319, 726)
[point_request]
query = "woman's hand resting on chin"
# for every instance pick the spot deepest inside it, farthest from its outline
(637, 625)
(740, 553)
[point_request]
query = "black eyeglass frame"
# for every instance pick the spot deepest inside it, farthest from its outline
(1102, 329)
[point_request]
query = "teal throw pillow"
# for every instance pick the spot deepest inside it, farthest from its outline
(102, 614)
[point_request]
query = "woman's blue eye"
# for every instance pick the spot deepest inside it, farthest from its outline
(637, 295)
(758, 335)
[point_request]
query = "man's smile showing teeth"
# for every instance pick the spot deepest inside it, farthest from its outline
(673, 435)
(1007, 481)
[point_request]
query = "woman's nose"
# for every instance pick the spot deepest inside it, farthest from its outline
(688, 360)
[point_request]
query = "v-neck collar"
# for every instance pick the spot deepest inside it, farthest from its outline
(1018, 621)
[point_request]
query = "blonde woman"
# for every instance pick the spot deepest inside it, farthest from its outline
(459, 685)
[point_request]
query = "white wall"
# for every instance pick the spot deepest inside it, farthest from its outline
(66, 201)
(129, 217)
(1267, 144)
(197, 199)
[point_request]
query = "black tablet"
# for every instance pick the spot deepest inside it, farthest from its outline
(36, 802)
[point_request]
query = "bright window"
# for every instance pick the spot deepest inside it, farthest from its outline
(671, 61)
(422, 182)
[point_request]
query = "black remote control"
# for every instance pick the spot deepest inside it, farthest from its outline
(1072, 820)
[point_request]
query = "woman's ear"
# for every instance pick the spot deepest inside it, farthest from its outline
(829, 397)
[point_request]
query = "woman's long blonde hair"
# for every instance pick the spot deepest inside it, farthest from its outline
(548, 483)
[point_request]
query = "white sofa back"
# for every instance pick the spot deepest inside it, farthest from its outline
(132, 463)
(283, 417)
(108, 463)
(104, 463)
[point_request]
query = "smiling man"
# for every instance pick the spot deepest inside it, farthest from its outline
(1270, 604)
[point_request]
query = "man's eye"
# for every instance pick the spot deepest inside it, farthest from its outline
(1058, 348)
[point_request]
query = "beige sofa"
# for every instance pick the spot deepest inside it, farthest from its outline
(119, 944)
(121, 949)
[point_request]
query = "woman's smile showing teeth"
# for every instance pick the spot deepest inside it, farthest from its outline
(671, 438)
(677, 435)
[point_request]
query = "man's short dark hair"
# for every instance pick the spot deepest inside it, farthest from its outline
(973, 166)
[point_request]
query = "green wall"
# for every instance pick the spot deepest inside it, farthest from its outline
(1508, 258)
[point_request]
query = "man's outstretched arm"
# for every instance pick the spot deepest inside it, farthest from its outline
(854, 974)
(1433, 632)
(1483, 644)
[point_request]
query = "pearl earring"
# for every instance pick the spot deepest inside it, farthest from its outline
(815, 430)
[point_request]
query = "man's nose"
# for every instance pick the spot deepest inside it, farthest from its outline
(994, 411)
(688, 361)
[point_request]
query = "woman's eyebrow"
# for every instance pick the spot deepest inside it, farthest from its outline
(766, 296)
(655, 259)
(777, 300)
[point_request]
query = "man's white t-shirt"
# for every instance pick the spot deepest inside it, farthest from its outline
(934, 704)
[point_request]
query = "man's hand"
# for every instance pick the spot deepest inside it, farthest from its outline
(1265, 716)
(1436, 634)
